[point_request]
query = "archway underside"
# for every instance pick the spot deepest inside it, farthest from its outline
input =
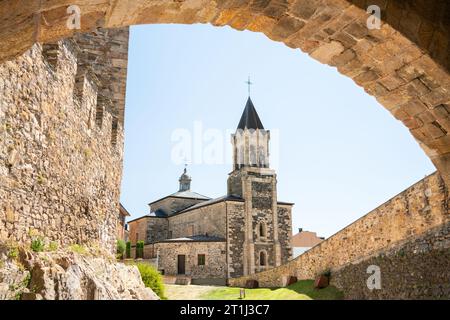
(404, 64)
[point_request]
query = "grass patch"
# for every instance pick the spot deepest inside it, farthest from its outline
(301, 290)
(78, 249)
(37, 245)
(13, 252)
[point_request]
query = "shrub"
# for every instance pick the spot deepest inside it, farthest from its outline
(151, 278)
(37, 245)
(78, 249)
(140, 249)
(128, 250)
(120, 248)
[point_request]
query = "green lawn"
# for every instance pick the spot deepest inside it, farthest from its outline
(301, 290)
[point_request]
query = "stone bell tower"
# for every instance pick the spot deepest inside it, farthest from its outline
(253, 181)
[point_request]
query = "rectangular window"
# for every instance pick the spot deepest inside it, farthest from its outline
(201, 259)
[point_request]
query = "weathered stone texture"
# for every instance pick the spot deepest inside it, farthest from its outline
(215, 258)
(285, 232)
(60, 173)
(235, 239)
(65, 275)
(108, 49)
(138, 229)
(415, 222)
(157, 229)
(210, 220)
(417, 269)
(257, 186)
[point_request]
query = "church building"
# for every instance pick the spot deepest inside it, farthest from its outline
(211, 240)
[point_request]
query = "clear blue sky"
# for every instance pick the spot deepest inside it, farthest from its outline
(340, 153)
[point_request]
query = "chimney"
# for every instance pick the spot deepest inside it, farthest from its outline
(300, 230)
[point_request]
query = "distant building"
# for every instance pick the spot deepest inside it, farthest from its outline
(211, 240)
(122, 232)
(303, 241)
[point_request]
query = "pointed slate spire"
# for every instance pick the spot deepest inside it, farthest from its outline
(250, 118)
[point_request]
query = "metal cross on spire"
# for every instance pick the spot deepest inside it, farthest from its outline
(185, 164)
(249, 83)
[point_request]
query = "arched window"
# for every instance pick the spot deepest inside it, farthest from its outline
(262, 258)
(262, 231)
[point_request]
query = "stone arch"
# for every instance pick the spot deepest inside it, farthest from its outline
(405, 64)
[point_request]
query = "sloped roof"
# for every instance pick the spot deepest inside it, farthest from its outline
(197, 238)
(184, 194)
(124, 211)
(209, 202)
(250, 118)
(189, 194)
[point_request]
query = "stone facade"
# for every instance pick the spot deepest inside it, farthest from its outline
(157, 230)
(138, 230)
(252, 227)
(208, 220)
(405, 236)
(235, 239)
(60, 158)
(285, 233)
(215, 259)
(259, 191)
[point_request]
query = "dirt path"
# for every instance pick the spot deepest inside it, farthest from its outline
(190, 292)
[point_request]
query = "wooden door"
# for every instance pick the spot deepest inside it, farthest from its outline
(181, 264)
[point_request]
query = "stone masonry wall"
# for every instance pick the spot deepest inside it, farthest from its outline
(285, 231)
(417, 269)
(215, 258)
(60, 171)
(402, 221)
(262, 212)
(108, 49)
(138, 230)
(157, 229)
(209, 219)
(148, 229)
(235, 239)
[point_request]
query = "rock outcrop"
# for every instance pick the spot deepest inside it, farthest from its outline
(68, 275)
